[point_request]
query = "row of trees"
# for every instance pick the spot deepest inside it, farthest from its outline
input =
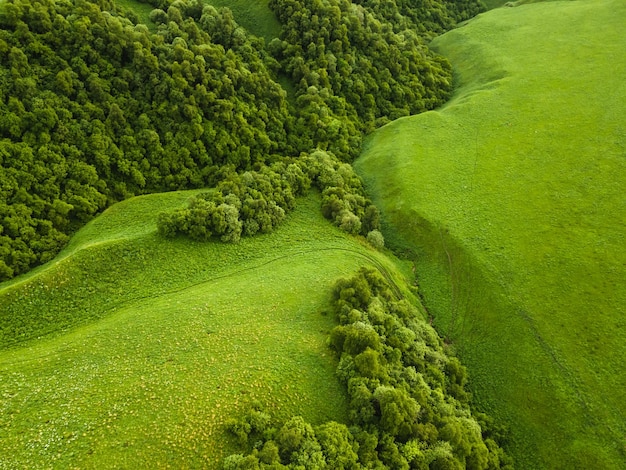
(408, 407)
(257, 201)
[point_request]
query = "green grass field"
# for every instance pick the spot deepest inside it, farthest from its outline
(254, 15)
(129, 350)
(511, 200)
(142, 10)
(490, 4)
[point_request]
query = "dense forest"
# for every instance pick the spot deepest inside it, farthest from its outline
(96, 107)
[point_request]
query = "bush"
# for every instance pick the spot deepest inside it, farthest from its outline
(376, 239)
(242, 204)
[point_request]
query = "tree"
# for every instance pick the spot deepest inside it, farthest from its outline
(376, 239)
(338, 446)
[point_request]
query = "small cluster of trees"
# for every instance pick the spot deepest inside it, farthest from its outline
(344, 201)
(258, 200)
(408, 407)
(242, 203)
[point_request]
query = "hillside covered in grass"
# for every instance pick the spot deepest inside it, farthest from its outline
(138, 351)
(147, 339)
(143, 359)
(510, 199)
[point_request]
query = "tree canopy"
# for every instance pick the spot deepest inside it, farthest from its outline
(96, 108)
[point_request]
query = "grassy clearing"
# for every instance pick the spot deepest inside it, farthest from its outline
(511, 200)
(254, 15)
(159, 342)
(490, 4)
(142, 10)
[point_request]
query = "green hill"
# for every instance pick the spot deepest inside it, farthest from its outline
(133, 346)
(511, 200)
(129, 349)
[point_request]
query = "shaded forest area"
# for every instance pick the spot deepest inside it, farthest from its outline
(97, 108)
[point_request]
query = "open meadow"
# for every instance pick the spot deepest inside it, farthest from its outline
(129, 348)
(511, 201)
(254, 15)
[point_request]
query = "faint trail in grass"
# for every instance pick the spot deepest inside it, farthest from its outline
(453, 330)
(383, 270)
(155, 295)
(453, 285)
(567, 375)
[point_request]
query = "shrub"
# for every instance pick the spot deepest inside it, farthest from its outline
(376, 239)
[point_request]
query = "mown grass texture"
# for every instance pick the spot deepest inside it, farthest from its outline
(511, 199)
(160, 342)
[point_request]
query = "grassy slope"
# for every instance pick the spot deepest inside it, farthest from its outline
(140, 349)
(142, 10)
(490, 4)
(512, 200)
(254, 15)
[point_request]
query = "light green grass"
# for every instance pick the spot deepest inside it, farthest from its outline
(511, 199)
(139, 349)
(142, 10)
(490, 4)
(254, 15)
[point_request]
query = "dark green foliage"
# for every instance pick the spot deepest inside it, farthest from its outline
(255, 425)
(243, 203)
(407, 403)
(96, 108)
(260, 199)
(427, 18)
(343, 198)
(356, 68)
(298, 444)
(338, 446)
